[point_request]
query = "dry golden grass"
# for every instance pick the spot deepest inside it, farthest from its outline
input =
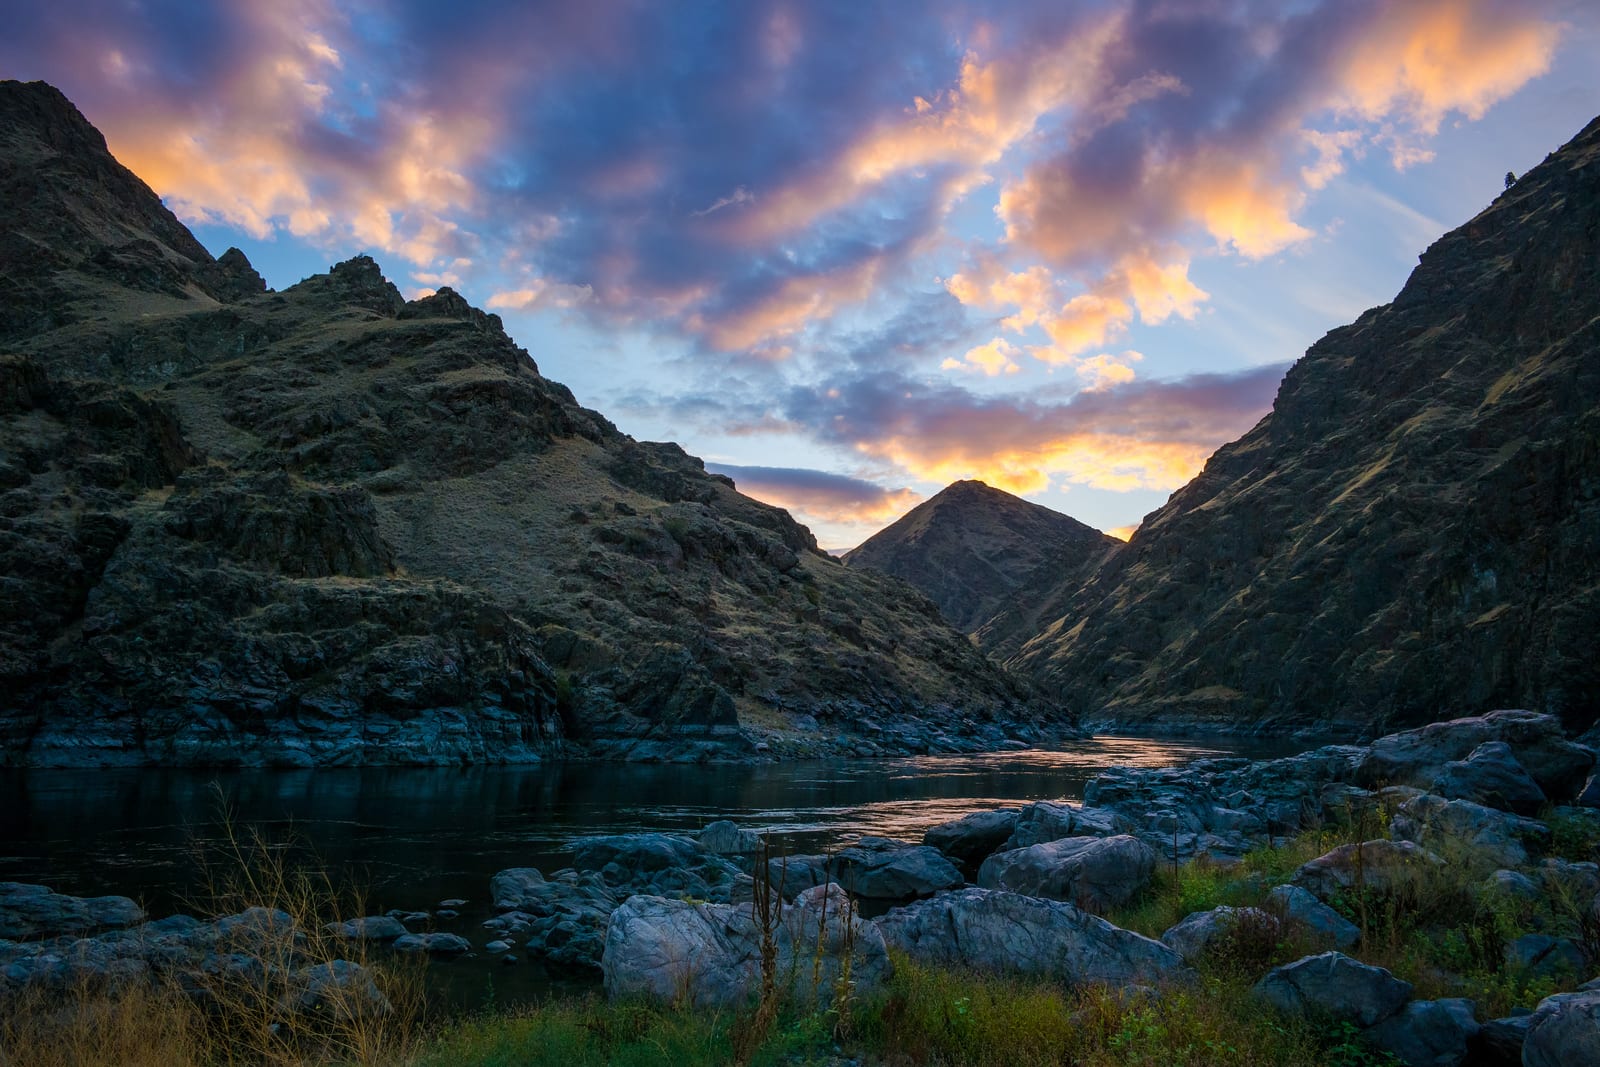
(255, 1016)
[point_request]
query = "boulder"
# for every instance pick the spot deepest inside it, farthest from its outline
(1334, 985)
(561, 919)
(709, 955)
(1383, 866)
(338, 989)
(35, 911)
(1196, 932)
(1545, 956)
(661, 865)
(1513, 884)
(1428, 1033)
(1491, 776)
(1569, 881)
(1495, 837)
(1096, 873)
(884, 869)
(971, 839)
(371, 928)
(1498, 1042)
(1049, 821)
(1417, 757)
(436, 944)
(508, 888)
(1564, 1031)
(1589, 795)
(725, 838)
(1301, 909)
(1004, 932)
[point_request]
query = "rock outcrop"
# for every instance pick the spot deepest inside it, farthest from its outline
(1010, 933)
(1411, 528)
(973, 548)
(710, 955)
(332, 526)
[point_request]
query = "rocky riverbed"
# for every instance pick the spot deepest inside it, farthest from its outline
(1022, 890)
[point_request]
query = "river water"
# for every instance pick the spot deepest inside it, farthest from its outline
(412, 837)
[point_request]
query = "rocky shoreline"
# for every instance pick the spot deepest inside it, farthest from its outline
(1021, 890)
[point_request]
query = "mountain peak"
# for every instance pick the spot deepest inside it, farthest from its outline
(972, 547)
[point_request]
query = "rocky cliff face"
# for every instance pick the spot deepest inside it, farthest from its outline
(1414, 528)
(329, 525)
(972, 548)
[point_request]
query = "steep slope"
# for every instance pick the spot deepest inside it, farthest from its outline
(1414, 529)
(972, 548)
(328, 525)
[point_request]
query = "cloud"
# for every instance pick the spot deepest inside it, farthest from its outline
(992, 359)
(1138, 435)
(745, 175)
(819, 496)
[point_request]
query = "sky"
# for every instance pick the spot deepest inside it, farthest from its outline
(849, 252)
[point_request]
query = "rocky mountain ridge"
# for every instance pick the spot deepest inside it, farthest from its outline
(1414, 528)
(330, 525)
(972, 548)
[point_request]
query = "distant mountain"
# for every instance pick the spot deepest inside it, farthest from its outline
(329, 526)
(1414, 529)
(973, 548)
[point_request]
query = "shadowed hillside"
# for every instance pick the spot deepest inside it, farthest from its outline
(1414, 528)
(329, 525)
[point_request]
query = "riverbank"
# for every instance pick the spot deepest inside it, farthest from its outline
(1430, 898)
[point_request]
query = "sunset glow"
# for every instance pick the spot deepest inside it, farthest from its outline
(853, 251)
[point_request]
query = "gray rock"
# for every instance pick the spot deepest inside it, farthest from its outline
(1428, 1033)
(1417, 757)
(371, 928)
(34, 911)
(883, 869)
(436, 944)
(561, 919)
(498, 946)
(1564, 1031)
(659, 864)
(1491, 776)
(1589, 795)
(1196, 932)
(709, 955)
(1498, 1042)
(510, 887)
(1496, 837)
(1049, 821)
(1513, 884)
(1300, 908)
(725, 838)
(337, 989)
(971, 839)
(1570, 881)
(1383, 865)
(1006, 932)
(1334, 985)
(1096, 873)
(1545, 956)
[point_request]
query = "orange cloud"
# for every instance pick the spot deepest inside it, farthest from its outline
(1088, 320)
(1426, 58)
(815, 496)
(992, 359)
(1130, 435)
(245, 159)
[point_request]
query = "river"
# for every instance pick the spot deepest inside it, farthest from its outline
(412, 837)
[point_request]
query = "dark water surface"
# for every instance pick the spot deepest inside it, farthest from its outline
(415, 836)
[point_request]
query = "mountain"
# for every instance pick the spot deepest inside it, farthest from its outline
(973, 548)
(329, 525)
(1413, 530)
